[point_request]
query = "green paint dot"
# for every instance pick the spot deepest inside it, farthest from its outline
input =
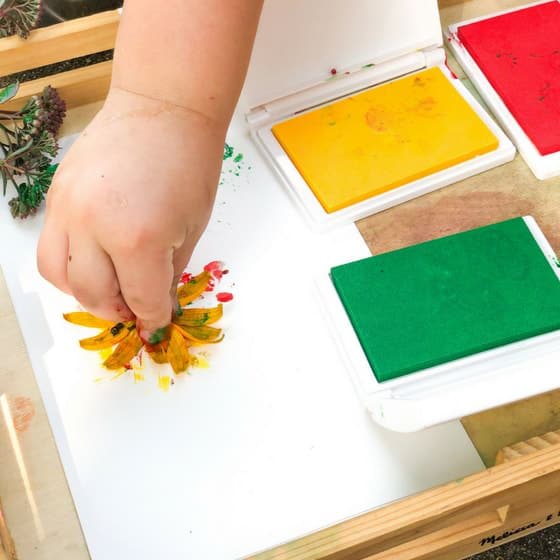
(238, 158)
(228, 151)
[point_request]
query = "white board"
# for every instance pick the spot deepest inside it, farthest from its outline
(269, 443)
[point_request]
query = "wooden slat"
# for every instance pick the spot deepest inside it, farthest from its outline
(76, 87)
(527, 447)
(7, 548)
(515, 497)
(62, 41)
(36, 501)
(444, 3)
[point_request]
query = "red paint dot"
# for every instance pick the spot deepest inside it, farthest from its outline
(224, 297)
(212, 266)
(333, 71)
(186, 277)
(215, 268)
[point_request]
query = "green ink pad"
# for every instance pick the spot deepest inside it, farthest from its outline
(449, 298)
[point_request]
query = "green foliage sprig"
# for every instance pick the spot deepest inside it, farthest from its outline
(27, 146)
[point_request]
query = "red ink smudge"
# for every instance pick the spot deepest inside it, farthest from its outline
(23, 412)
(215, 268)
(214, 265)
(211, 285)
(224, 297)
(186, 277)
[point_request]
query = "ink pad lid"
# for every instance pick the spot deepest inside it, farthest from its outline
(299, 44)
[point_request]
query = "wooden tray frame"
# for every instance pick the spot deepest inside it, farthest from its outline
(518, 496)
(59, 42)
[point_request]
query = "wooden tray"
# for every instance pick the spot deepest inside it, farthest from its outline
(507, 501)
(63, 41)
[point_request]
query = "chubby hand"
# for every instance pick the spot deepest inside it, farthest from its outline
(128, 205)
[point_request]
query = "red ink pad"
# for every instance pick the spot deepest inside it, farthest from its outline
(519, 53)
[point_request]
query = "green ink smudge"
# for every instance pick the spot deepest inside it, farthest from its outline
(235, 166)
(159, 335)
(228, 151)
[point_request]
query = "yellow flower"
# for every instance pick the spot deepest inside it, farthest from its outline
(121, 343)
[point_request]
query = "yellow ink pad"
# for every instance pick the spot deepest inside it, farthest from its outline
(383, 138)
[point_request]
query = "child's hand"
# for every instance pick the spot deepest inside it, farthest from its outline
(128, 205)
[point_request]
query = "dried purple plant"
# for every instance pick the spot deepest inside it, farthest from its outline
(27, 145)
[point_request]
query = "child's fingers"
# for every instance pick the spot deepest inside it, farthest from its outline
(181, 257)
(52, 256)
(145, 281)
(93, 281)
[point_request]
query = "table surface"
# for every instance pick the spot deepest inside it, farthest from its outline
(32, 470)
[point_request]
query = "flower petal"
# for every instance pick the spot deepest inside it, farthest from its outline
(107, 338)
(125, 351)
(85, 319)
(187, 293)
(178, 351)
(157, 352)
(206, 338)
(204, 333)
(199, 316)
